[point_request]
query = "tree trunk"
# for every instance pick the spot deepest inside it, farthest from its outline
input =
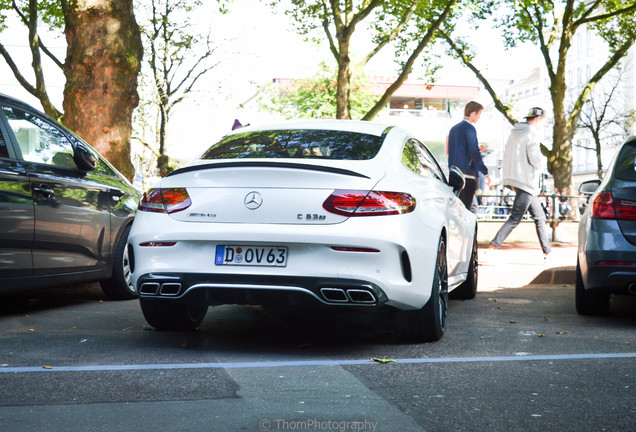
(163, 161)
(599, 159)
(344, 80)
(103, 60)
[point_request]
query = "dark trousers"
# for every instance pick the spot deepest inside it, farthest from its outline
(524, 202)
(467, 195)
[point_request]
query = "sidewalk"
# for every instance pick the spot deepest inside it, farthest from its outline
(519, 264)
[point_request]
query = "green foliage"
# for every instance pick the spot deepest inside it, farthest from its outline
(315, 97)
(51, 12)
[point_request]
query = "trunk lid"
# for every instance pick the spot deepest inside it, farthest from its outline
(267, 192)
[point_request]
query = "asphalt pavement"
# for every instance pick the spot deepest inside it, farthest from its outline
(516, 358)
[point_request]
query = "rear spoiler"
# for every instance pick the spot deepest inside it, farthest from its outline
(290, 165)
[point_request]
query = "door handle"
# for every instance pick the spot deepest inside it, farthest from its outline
(45, 191)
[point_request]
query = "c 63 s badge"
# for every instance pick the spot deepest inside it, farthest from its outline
(311, 216)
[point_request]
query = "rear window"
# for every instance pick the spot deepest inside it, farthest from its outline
(296, 144)
(626, 163)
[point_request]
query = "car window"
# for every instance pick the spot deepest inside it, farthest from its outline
(416, 158)
(4, 151)
(322, 144)
(40, 141)
(429, 160)
(626, 163)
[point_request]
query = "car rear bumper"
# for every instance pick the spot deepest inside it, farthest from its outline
(607, 260)
(218, 289)
(398, 272)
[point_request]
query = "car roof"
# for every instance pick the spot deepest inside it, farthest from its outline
(359, 126)
(19, 103)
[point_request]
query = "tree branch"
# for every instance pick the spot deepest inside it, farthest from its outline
(595, 18)
(325, 26)
(390, 37)
(467, 61)
(408, 66)
(16, 71)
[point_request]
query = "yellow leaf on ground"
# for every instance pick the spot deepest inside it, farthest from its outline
(383, 360)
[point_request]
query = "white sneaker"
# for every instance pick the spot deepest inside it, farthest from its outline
(547, 259)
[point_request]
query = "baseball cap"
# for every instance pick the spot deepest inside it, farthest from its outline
(535, 112)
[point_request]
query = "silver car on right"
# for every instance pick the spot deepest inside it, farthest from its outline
(606, 260)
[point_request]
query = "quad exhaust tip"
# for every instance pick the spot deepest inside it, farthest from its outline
(340, 295)
(165, 289)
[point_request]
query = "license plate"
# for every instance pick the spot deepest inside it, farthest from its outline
(267, 256)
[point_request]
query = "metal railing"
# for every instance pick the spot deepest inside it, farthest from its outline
(557, 208)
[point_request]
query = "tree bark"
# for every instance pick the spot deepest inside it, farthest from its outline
(102, 63)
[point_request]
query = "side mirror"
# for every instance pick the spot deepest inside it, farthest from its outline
(84, 159)
(456, 180)
(589, 187)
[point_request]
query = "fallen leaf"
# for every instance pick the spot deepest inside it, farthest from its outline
(540, 335)
(628, 343)
(502, 308)
(545, 319)
(101, 301)
(47, 367)
(30, 329)
(512, 322)
(561, 332)
(383, 360)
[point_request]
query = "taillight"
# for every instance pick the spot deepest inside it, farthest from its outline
(625, 210)
(165, 200)
(607, 207)
(364, 203)
(603, 206)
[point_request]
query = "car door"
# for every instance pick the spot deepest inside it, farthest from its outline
(450, 206)
(72, 217)
(16, 213)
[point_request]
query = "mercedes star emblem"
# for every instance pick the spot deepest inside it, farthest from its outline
(253, 200)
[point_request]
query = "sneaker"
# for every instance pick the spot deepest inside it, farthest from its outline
(547, 259)
(488, 255)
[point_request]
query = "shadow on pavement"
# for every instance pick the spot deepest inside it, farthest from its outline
(50, 298)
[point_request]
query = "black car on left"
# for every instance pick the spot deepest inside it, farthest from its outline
(65, 212)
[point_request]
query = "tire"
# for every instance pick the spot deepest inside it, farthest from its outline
(589, 302)
(428, 324)
(119, 286)
(468, 289)
(173, 316)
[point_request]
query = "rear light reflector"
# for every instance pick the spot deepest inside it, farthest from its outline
(365, 203)
(157, 244)
(354, 249)
(165, 200)
(607, 207)
(614, 263)
(625, 210)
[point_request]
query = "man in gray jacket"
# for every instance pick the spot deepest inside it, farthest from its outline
(522, 165)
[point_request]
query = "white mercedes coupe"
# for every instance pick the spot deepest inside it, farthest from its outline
(334, 213)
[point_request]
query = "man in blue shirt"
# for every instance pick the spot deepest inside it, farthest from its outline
(463, 152)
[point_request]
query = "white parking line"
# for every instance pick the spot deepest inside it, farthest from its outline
(237, 365)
